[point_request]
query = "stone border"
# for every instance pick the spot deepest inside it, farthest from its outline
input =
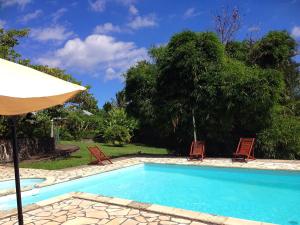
(153, 208)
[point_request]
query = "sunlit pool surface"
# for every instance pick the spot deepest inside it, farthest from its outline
(10, 184)
(262, 195)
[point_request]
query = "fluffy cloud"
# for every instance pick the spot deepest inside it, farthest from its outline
(2, 23)
(296, 31)
(59, 13)
(8, 3)
(133, 10)
(143, 21)
(96, 54)
(191, 12)
(31, 16)
(97, 5)
(54, 33)
(106, 28)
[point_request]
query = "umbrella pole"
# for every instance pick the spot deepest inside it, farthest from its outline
(16, 166)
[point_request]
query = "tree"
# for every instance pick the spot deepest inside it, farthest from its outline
(188, 58)
(9, 39)
(140, 91)
(274, 50)
(227, 23)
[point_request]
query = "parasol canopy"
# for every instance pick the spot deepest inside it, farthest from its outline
(23, 89)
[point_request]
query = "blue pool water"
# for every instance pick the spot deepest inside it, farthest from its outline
(269, 196)
(10, 184)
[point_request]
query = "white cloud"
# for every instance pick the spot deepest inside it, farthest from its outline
(58, 14)
(97, 5)
(254, 29)
(143, 21)
(96, 54)
(191, 12)
(20, 3)
(133, 10)
(296, 31)
(31, 16)
(54, 33)
(106, 28)
(2, 23)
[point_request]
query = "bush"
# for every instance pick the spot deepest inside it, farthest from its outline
(117, 135)
(118, 127)
(281, 140)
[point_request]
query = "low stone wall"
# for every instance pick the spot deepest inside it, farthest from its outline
(27, 147)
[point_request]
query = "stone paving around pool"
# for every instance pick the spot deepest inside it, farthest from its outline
(80, 208)
(75, 211)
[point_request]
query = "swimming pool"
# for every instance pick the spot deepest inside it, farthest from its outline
(263, 195)
(10, 184)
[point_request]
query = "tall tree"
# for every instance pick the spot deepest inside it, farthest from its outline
(188, 58)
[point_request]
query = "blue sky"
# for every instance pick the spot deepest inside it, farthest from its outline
(97, 40)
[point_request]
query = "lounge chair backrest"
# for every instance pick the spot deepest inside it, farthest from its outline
(95, 151)
(198, 148)
(245, 146)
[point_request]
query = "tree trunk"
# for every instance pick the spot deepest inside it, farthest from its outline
(194, 126)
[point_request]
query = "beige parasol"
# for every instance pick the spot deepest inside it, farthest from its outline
(23, 90)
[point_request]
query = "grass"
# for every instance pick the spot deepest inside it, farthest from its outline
(82, 157)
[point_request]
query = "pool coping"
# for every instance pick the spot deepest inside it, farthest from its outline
(154, 208)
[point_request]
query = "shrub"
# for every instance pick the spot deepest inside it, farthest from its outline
(281, 139)
(118, 127)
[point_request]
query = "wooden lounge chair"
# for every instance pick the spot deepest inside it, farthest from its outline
(197, 150)
(99, 155)
(244, 150)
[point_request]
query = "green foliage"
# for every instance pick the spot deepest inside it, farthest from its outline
(118, 127)
(281, 140)
(139, 89)
(78, 125)
(9, 39)
(238, 50)
(274, 50)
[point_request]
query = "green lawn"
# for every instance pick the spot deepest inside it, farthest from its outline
(82, 157)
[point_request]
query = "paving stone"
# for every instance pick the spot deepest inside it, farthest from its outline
(140, 219)
(97, 214)
(164, 217)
